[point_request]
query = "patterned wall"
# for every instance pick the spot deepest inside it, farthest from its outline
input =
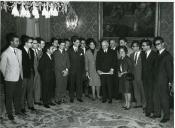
(8, 25)
(87, 24)
(166, 25)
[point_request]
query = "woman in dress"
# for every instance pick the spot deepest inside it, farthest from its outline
(90, 60)
(124, 69)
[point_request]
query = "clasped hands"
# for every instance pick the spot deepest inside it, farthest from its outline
(111, 72)
(120, 74)
(65, 72)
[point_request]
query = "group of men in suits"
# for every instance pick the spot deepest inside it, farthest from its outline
(57, 65)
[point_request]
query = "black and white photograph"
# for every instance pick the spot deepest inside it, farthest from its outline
(87, 64)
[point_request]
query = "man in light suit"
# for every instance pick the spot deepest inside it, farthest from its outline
(137, 71)
(11, 68)
(61, 65)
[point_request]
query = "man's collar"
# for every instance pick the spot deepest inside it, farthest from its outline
(160, 52)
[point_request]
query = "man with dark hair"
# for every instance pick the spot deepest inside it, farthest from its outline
(28, 71)
(105, 66)
(115, 82)
(61, 66)
(148, 68)
(77, 61)
(163, 80)
(46, 70)
(123, 42)
(137, 71)
(11, 68)
(55, 42)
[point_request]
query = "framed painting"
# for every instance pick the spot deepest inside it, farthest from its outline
(128, 19)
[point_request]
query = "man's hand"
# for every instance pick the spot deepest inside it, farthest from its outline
(65, 72)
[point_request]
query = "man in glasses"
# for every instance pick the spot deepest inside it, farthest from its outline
(148, 67)
(137, 70)
(163, 79)
(28, 73)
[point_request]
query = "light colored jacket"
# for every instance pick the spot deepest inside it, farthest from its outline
(11, 64)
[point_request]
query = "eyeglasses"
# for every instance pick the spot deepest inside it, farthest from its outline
(144, 45)
(135, 46)
(157, 44)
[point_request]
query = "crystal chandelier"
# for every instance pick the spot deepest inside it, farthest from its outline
(30, 9)
(71, 19)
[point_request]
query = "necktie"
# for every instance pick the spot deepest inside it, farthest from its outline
(29, 54)
(15, 51)
(135, 58)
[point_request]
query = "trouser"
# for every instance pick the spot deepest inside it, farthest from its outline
(37, 88)
(139, 93)
(13, 93)
(27, 92)
(115, 86)
(75, 85)
(61, 85)
(161, 100)
(106, 86)
(148, 90)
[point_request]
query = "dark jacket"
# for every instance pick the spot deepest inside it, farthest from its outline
(77, 61)
(27, 63)
(105, 61)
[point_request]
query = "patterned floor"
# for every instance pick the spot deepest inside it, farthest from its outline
(89, 114)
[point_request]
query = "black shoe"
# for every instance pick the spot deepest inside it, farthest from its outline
(32, 108)
(38, 103)
(147, 114)
(104, 101)
(137, 106)
(110, 101)
(155, 116)
(23, 111)
(20, 113)
(71, 100)
(10, 117)
(52, 104)
(164, 120)
(58, 102)
(46, 106)
(80, 100)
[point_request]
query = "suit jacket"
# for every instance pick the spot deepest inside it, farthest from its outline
(148, 66)
(137, 67)
(11, 64)
(46, 67)
(61, 61)
(116, 57)
(77, 61)
(27, 63)
(164, 68)
(105, 61)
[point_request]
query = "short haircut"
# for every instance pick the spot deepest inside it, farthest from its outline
(147, 41)
(81, 38)
(74, 38)
(61, 41)
(158, 38)
(66, 39)
(135, 42)
(10, 37)
(47, 46)
(89, 40)
(122, 38)
(25, 38)
(53, 39)
(124, 48)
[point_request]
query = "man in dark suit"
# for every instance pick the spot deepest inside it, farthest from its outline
(115, 83)
(85, 79)
(28, 73)
(148, 67)
(105, 66)
(46, 70)
(163, 79)
(77, 61)
(61, 65)
(137, 71)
